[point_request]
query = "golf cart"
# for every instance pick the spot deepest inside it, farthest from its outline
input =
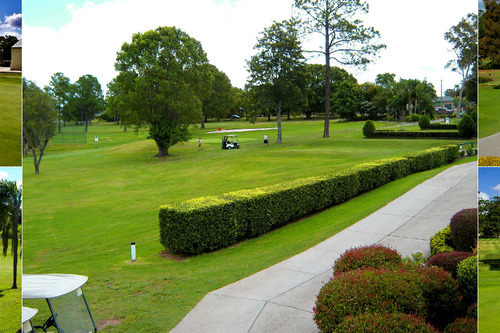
(230, 142)
(70, 312)
(28, 313)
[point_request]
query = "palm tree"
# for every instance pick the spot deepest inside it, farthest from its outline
(10, 219)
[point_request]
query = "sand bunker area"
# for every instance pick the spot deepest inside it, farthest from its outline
(243, 130)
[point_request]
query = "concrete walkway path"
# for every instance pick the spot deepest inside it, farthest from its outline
(489, 146)
(281, 298)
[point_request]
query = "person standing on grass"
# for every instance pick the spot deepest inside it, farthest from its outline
(266, 141)
(199, 144)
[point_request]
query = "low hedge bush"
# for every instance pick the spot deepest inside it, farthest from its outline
(449, 260)
(463, 226)
(442, 241)
(424, 122)
(467, 279)
(462, 325)
(372, 256)
(489, 161)
(423, 134)
(209, 223)
(427, 292)
(385, 322)
(467, 128)
(443, 126)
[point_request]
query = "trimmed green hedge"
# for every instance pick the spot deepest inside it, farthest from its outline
(443, 126)
(423, 134)
(209, 223)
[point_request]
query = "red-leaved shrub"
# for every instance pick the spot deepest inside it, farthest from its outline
(372, 256)
(449, 260)
(463, 227)
(462, 325)
(426, 292)
(385, 322)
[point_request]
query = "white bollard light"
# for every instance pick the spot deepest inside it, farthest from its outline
(132, 251)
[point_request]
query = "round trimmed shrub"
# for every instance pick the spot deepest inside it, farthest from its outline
(368, 128)
(372, 256)
(467, 279)
(462, 325)
(385, 322)
(415, 117)
(407, 119)
(424, 122)
(426, 292)
(449, 260)
(463, 226)
(442, 241)
(467, 128)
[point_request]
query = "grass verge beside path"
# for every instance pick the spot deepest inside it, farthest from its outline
(155, 293)
(489, 285)
(488, 108)
(10, 299)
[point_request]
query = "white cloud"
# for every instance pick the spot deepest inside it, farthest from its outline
(228, 30)
(496, 188)
(14, 21)
(483, 196)
(3, 175)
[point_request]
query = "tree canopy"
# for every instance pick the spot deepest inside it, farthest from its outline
(159, 83)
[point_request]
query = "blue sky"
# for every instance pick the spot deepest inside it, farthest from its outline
(11, 17)
(87, 34)
(489, 182)
(11, 173)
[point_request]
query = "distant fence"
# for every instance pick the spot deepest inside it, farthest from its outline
(71, 133)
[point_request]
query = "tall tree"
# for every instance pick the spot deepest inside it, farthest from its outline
(39, 120)
(489, 33)
(219, 97)
(60, 89)
(6, 43)
(87, 99)
(159, 71)
(10, 220)
(346, 40)
(276, 67)
(463, 38)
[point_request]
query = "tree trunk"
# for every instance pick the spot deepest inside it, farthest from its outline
(14, 249)
(460, 100)
(278, 120)
(37, 163)
(326, 132)
(162, 151)
(203, 120)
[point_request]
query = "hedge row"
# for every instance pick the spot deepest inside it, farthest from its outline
(209, 223)
(423, 134)
(443, 127)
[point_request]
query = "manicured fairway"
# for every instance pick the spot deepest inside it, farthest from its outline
(489, 285)
(489, 107)
(10, 119)
(90, 201)
(10, 299)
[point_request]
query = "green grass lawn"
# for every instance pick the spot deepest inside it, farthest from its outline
(489, 285)
(10, 123)
(90, 201)
(489, 109)
(10, 299)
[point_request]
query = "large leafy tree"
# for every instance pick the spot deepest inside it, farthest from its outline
(10, 220)
(346, 40)
(463, 39)
(218, 99)
(159, 73)
(276, 68)
(87, 99)
(6, 43)
(39, 120)
(489, 32)
(61, 90)
(489, 217)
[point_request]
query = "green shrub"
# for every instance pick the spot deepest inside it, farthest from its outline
(407, 119)
(368, 128)
(415, 117)
(442, 241)
(472, 311)
(467, 279)
(430, 293)
(462, 325)
(448, 260)
(373, 256)
(385, 322)
(467, 128)
(443, 126)
(424, 122)
(463, 226)
(209, 223)
(426, 134)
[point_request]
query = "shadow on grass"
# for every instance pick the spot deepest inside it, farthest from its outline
(493, 263)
